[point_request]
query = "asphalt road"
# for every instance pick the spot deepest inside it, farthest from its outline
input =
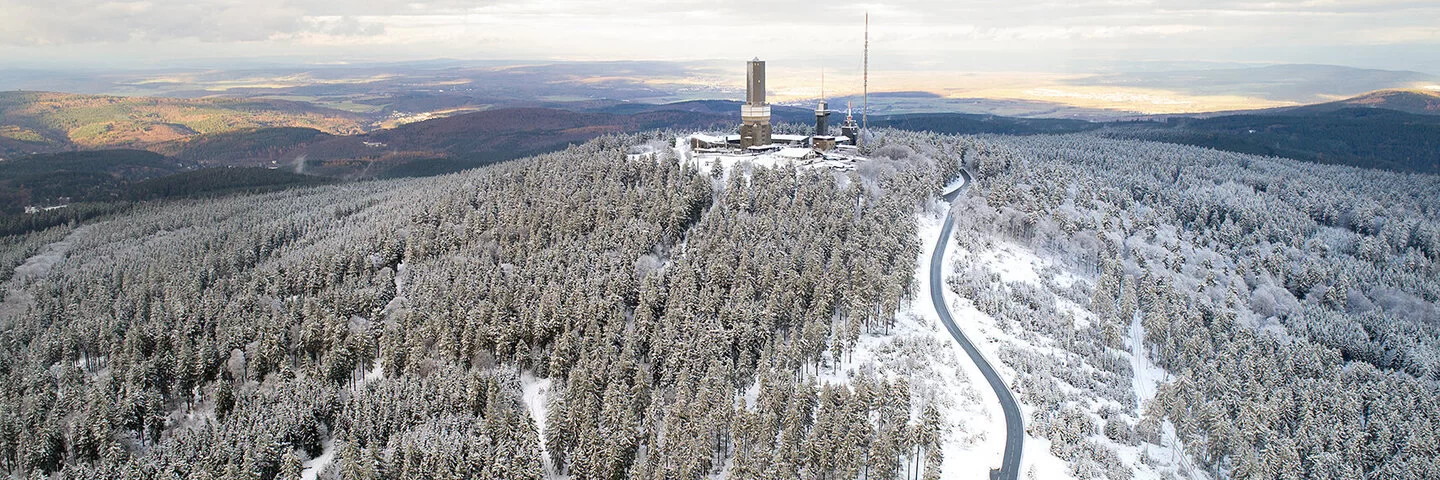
(1014, 426)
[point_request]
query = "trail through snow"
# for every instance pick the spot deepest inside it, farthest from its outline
(15, 300)
(535, 392)
(1147, 380)
(1148, 376)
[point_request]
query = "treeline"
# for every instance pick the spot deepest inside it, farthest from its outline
(1378, 138)
(242, 147)
(389, 325)
(15, 225)
(214, 181)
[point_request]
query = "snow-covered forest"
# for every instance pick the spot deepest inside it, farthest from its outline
(678, 320)
(596, 313)
(1292, 306)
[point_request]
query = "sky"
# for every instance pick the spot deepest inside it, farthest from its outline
(948, 35)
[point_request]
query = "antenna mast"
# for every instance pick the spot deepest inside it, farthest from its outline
(865, 107)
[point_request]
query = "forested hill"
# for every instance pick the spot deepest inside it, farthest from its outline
(507, 133)
(393, 326)
(52, 121)
(1345, 133)
(75, 186)
(431, 147)
(969, 124)
(1422, 102)
(1362, 137)
(97, 176)
(595, 313)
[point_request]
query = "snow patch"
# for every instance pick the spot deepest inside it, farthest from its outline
(1146, 381)
(376, 372)
(399, 303)
(315, 465)
(1012, 264)
(1148, 376)
(535, 392)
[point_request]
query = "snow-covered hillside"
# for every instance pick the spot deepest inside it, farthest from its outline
(615, 311)
(1163, 310)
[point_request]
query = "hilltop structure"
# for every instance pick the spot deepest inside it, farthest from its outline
(756, 132)
(755, 113)
(757, 144)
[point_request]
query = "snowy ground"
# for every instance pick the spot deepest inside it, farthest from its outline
(1017, 264)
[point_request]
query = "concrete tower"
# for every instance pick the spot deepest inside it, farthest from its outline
(755, 113)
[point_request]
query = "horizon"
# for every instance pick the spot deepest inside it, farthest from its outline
(1147, 88)
(1120, 55)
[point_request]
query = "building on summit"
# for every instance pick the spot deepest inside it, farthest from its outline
(755, 113)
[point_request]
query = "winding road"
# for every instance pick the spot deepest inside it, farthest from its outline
(1014, 426)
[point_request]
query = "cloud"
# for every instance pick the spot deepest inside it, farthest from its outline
(701, 29)
(344, 26)
(62, 22)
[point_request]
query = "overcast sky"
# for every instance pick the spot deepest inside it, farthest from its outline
(978, 35)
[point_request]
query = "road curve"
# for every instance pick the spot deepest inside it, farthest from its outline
(1014, 426)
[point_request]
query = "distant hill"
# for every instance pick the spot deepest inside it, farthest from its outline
(248, 147)
(1396, 130)
(75, 186)
(961, 123)
(430, 147)
(221, 180)
(726, 108)
(1363, 137)
(1295, 83)
(1418, 102)
(48, 122)
(295, 156)
(502, 134)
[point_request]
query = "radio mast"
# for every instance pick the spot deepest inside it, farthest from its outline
(865, 107)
